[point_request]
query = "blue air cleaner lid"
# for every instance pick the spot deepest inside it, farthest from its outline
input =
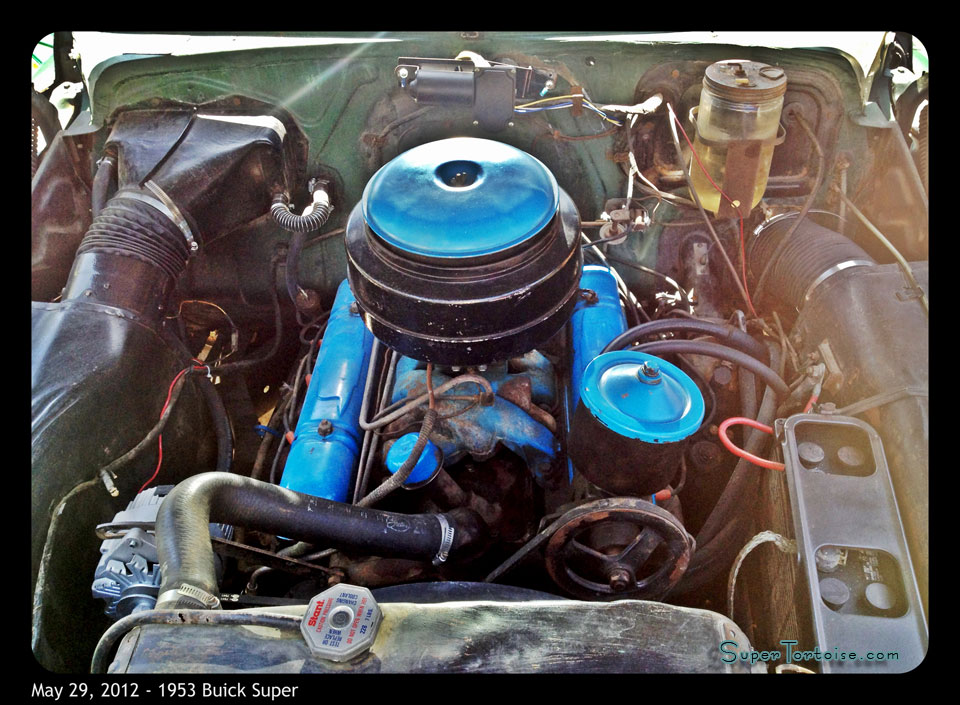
(460, 197)
(641, 396)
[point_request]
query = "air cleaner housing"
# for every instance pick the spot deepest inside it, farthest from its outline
(464, 252)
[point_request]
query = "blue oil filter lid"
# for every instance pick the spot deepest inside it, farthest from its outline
(460, 197)
(641, 396)
(431, 459)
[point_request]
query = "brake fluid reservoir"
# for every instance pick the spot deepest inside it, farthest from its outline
(737, 128)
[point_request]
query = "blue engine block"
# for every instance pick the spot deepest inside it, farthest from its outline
(323, 465)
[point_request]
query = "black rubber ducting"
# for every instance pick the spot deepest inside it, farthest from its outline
(183, 531)
(811, 251)
(131, 228)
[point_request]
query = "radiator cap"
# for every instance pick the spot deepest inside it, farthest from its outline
(341, 622)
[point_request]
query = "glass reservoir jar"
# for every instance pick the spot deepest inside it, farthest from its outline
(737, 128)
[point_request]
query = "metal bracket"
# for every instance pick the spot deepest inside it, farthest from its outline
(175, 215)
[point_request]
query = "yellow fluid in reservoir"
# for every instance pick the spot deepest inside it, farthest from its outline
(714, 159)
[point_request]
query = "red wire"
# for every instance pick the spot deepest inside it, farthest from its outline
(160, 439)
(740, 452)
(813, 400)
(743, 249)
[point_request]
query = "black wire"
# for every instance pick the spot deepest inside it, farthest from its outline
(737, 357)
(154, 432)
(324, 236)
(683, 474)
(276, 458)
(632, 318)
(603, 240)
(314, 347)
(319, 322)
(277, 336)
(653, 272)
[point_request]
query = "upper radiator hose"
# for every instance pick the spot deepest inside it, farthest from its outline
(183, 531)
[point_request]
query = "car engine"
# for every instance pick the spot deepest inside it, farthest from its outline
(479, 352)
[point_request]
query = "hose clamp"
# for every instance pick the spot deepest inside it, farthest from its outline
(839, 267)
(446, 540)
(188, 596)
(177, 216)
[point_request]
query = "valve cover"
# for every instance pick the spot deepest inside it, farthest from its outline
(463, 252)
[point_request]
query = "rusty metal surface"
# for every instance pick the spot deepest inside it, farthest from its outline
(259, 556)
(518, 391)
(478, 431)
(377, 572)
(894, 200)
(626, 636)
(618, 547)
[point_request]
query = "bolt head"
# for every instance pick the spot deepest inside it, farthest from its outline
(620, 579)
(649, 369)
(403, 73)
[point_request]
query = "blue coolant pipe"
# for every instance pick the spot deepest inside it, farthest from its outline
(322, 461)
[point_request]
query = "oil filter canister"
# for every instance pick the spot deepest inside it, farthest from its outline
(634, 414)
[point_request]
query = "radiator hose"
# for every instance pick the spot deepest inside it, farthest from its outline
(183, 530)
(727, 335)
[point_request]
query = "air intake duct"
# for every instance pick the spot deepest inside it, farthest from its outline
(812, 255)
(130, 257)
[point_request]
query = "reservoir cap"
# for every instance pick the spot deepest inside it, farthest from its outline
(745, 81)
(641, 396)
(460, 198)
(431, 459)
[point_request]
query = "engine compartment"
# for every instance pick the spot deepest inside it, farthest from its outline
(463, 336)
